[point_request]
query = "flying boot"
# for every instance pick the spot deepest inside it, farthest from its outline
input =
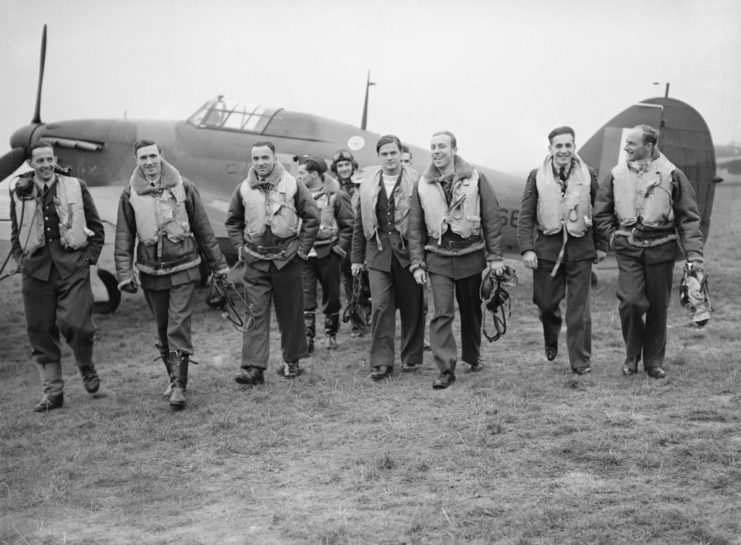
(165, 356)
(331, 325)
(310, 325)
(179, 367)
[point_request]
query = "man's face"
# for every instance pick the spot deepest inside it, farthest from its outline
(406, 158)
(304, 176)
(149, 160)
(390, 156)
(43, 162)
(344, 169)
(263, 161)
(442, 151)
(562, 149)
(635, 149)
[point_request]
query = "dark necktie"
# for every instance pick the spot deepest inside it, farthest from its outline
(562, 178)
(46, 190)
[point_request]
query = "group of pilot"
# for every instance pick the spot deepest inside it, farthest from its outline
(395, 232)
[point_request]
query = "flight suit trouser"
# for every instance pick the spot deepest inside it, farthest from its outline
(442, 341)
(643, 288)
(572, 280)
(172, 309)
(389, 291)
(284, 287)
(54, 306)
(326, 272)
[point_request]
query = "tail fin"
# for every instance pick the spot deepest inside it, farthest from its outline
(685, 140)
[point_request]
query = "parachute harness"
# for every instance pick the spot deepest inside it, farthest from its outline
(224, 296)
(496, 300)
(693, 293)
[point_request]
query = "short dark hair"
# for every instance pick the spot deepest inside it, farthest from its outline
(40, 144)
(388, 139)
(453, 141)
(650, 134)
(314, 164)
(267, 143)
(558, 131)
(405, 149)
(143, 143)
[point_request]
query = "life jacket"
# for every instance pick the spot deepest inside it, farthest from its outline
(325, 200)
(644, 195)
(572, 208)
(274, 208)
(73, 231)
(159, 211)
(462, 215)
(369, 190)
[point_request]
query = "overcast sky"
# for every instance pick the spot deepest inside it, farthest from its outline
(498, 73)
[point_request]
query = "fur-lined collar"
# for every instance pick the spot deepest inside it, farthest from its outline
(253, 181)
(169, 177)
(461, 170)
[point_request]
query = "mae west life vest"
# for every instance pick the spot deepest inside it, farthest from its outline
(369, 190)
(161, 214)
(462, 215)
(571, 209)
(328, 228)
(644, 195)
(73, 231)
(274, 209)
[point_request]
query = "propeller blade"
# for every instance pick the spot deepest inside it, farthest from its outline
(37, 112)
(10, 162)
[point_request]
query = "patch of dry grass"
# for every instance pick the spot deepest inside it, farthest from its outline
(523, 453)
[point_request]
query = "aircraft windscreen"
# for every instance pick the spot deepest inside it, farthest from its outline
(230, 115)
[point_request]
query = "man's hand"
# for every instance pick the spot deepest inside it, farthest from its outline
(496, 267)
(222, 272)
(530, 260)
(420, 276)
(130, 287)
(601, 255)
(356, 268)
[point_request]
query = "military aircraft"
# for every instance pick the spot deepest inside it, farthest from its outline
(211, 148)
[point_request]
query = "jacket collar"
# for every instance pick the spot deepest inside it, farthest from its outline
(461, 170)
(169, 177)
(253, 181)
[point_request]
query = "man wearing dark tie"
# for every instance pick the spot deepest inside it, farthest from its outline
(54, 246)
(556, 239)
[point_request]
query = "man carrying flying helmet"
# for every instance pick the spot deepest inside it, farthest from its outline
(345, 168)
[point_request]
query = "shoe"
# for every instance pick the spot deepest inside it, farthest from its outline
(551, 352)
(656, 372)
(90, 379)
(357, 334)
(49, 402)
(581, 370)
(251, 376)
(410, 367)
(427, 346)
(332, 342)
(177, 399)
(290, 370)
(629, 370)
(443, 381)
(381, 372)
(476, 367)
(168, 391)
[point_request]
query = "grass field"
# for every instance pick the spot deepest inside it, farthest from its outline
(523, 453)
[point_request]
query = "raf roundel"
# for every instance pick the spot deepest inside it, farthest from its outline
(356, 143)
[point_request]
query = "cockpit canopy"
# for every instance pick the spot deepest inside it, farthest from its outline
(231, 115)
